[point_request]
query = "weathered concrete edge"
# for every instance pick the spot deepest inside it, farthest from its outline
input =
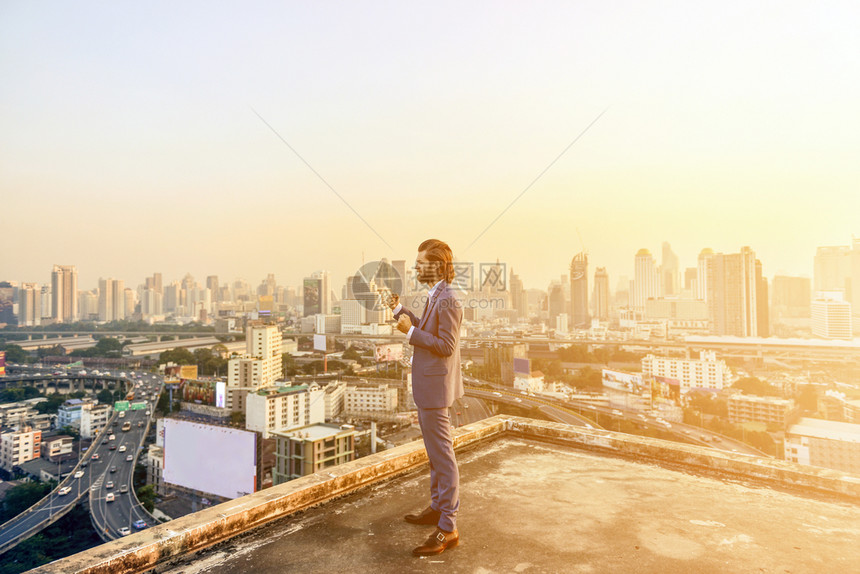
(770, 471)
(144, 551)
(159, 545)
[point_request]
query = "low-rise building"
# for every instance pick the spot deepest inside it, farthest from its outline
(284, 408)
(94, 420)
(69, 413)
(335, 399)
(769, 410)
(371, 400)
(56, 447)
(706, 372)
(310, 449)
(155, 468)
(827, 444)
(19, 446)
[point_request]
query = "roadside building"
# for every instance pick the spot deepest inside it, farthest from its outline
(310, 449)
(768, 410)
(827, 444)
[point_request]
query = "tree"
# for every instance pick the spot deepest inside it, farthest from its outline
(289, 365)
(351, 354)
(15, 354)
(105, 396)
(755, 386)
(178, 356)
(146, 496)
(807, 399)
(21, 497)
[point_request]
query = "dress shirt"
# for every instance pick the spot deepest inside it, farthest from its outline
(429, 297)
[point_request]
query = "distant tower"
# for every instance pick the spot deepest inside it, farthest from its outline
(669, 271)
(64, 293)
(601, 294)
(579, 291)
(645, 284)
(702, 274)
(734, 281)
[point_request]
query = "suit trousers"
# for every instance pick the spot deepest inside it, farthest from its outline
(444, 474)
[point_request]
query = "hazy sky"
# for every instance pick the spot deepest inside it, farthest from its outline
(129, 142)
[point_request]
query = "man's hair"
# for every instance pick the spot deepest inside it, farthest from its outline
(439, 251)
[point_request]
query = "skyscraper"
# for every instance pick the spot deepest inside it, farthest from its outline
(112, 305)
(518, 295)
(734, 283)
(600, 298)
(702, 274)
(29, 305)
(669, 271)
(64, 293)
(645, 283)
(212, 284)
(579, 291)
(832, 269)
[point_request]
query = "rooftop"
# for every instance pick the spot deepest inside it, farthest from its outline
(535, 497)
(313, 432)
(832, 430)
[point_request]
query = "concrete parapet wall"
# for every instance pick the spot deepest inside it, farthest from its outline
(144, 551)
(157, 547)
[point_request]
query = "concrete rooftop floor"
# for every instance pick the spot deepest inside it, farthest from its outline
(532, 506)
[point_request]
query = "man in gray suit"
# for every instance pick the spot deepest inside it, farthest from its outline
(436, 383)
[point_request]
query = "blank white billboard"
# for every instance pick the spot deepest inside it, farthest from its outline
(213, 459)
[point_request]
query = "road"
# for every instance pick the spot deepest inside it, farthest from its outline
(89, 479)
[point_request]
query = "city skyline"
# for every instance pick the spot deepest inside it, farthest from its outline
(139, 148)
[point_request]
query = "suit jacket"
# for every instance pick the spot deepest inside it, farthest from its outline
(436, 378)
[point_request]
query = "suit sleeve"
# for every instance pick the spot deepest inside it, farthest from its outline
(450, 316)
(415, 320)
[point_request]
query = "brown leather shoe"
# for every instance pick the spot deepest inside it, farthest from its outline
(438, 542)
(426, 516)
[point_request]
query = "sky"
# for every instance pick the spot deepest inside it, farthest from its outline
(245, 138)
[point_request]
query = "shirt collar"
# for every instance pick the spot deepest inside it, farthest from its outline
(433, 290)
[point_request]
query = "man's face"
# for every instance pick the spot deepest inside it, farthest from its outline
(428, 271)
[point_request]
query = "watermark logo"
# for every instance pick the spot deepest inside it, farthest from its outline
(493, 276)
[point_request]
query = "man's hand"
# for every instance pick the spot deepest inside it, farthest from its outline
(392, 300)
(403, 323)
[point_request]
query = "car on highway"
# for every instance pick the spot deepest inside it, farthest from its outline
(112, 446)
(617, 413)
(129, 458)
(122, 448)
(112, 437)
(65, 490)
(110, 497)
(496, 393)
(95, 456)
(79, 474)
(109, 484)
(113, 468)
(139, 524)
(104, 441)
(123, 488)
(125, 531)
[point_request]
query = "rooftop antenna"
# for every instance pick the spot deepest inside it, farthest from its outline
(581, 242)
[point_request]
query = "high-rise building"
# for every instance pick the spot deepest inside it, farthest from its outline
(734, 282)
(112, 306)
(325, 291)
(260, 367)
(831, 319)
(29, 305)
(555, 302)
(46, 299)
(669, 269)
(579, 291)
(854, 298)
(690, 275)
(64, 293)
(702, 273)
(645, 283)
(790, 297)
(518, 295)
(212, 285)
(154, 283)
(762, 302)
(601, 294)
(832, 269)
(88, 305)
